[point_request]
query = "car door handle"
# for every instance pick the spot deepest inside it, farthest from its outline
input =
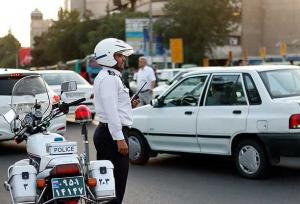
(237, 112)
(188, 112)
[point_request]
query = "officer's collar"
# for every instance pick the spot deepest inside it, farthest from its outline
(113, 70)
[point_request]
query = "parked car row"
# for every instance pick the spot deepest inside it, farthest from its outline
(251, 113)
(8, 78)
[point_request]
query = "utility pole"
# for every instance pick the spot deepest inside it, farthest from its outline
(150, 32)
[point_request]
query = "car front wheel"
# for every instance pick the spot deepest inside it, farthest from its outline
(138, 148)
(251, 159)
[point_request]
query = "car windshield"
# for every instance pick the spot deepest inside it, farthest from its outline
(60, 77)
(282, 83)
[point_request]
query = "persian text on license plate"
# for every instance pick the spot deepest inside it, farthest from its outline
(68, 187)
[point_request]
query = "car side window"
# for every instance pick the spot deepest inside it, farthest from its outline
(251, 90)
(186, 93)
(225, 90)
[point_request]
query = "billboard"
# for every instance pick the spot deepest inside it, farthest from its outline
(24, 56)
(137, 35)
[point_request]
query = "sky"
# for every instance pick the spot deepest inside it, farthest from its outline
(15, 15)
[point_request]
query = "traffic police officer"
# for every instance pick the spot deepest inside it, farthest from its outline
(113, 109)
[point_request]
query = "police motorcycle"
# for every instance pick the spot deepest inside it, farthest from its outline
(53, 172)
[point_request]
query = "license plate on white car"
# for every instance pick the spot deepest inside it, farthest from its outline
(69, 187)
(62, 148)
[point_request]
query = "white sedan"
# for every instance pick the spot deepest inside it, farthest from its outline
(251, 113)
(54, 78)
(8, 78)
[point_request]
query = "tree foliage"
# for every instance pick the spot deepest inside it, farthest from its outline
(201, 24)
(112, 26)
(70, 38)
(9, 47)
(63, 40)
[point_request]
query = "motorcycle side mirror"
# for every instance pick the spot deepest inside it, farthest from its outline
(68, 86)
(10, 116)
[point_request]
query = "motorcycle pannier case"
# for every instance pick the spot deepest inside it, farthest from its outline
(103, 172)
(22, 180)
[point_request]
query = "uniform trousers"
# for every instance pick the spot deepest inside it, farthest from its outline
(107, 149)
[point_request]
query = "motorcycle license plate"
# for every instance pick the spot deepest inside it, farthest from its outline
(68, 187)
(62, 148)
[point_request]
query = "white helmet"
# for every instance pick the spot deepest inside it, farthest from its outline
(105, 50)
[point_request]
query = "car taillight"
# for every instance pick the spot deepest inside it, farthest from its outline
(55, 99)
(65, 169)
(294, 122)
(16, 75)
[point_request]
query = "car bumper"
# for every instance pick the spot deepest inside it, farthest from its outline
(282, 144)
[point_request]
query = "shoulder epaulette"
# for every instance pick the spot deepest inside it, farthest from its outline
(111, 72)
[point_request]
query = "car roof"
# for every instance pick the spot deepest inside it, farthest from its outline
(256, 68)
(54, 71)
(4, 71)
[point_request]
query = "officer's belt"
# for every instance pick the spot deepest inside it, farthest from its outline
(106, 125)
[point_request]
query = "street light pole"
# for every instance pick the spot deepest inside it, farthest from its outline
(150, 31)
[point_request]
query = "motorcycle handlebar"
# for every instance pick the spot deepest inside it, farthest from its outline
(64, 107)
(76, 102)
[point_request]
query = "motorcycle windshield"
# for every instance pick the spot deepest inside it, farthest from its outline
(26, 93)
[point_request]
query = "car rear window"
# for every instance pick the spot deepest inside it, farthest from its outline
(282, 83)
(6, 85)
(58, 78)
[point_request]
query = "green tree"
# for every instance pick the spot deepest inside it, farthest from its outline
(201, 24)
(111, 26)
(64, 39)
(9, 47)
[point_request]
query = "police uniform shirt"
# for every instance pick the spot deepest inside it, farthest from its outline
(112, 101)
(145, 74)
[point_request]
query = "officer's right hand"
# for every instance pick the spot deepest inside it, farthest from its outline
(122, 147)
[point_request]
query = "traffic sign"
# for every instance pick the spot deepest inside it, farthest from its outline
(282, 48)
(176, 46)
(262, 52)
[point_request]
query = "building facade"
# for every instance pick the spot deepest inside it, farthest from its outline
(98, 8)
(270, 23)
(38, 25)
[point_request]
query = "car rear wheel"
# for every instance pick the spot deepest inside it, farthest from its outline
(138, 148)
(251, 159)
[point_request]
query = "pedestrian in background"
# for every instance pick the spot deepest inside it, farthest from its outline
(145, 74)
(114, 110)
(84, 74)
(125, 77)
(155, 68)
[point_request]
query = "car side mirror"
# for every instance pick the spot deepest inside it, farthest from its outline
(157, 102)
(68, 86)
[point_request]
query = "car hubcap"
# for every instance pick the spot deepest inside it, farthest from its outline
(134, 148)
(249, 159)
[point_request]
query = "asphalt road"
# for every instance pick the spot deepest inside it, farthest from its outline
(171, 179)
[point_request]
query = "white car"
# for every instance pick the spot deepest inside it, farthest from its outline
(8, 78)
(251, 113)
(54, 78)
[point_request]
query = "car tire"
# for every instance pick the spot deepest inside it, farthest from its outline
(251, 159)
(138, 148)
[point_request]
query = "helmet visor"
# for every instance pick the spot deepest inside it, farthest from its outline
(126, 52)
